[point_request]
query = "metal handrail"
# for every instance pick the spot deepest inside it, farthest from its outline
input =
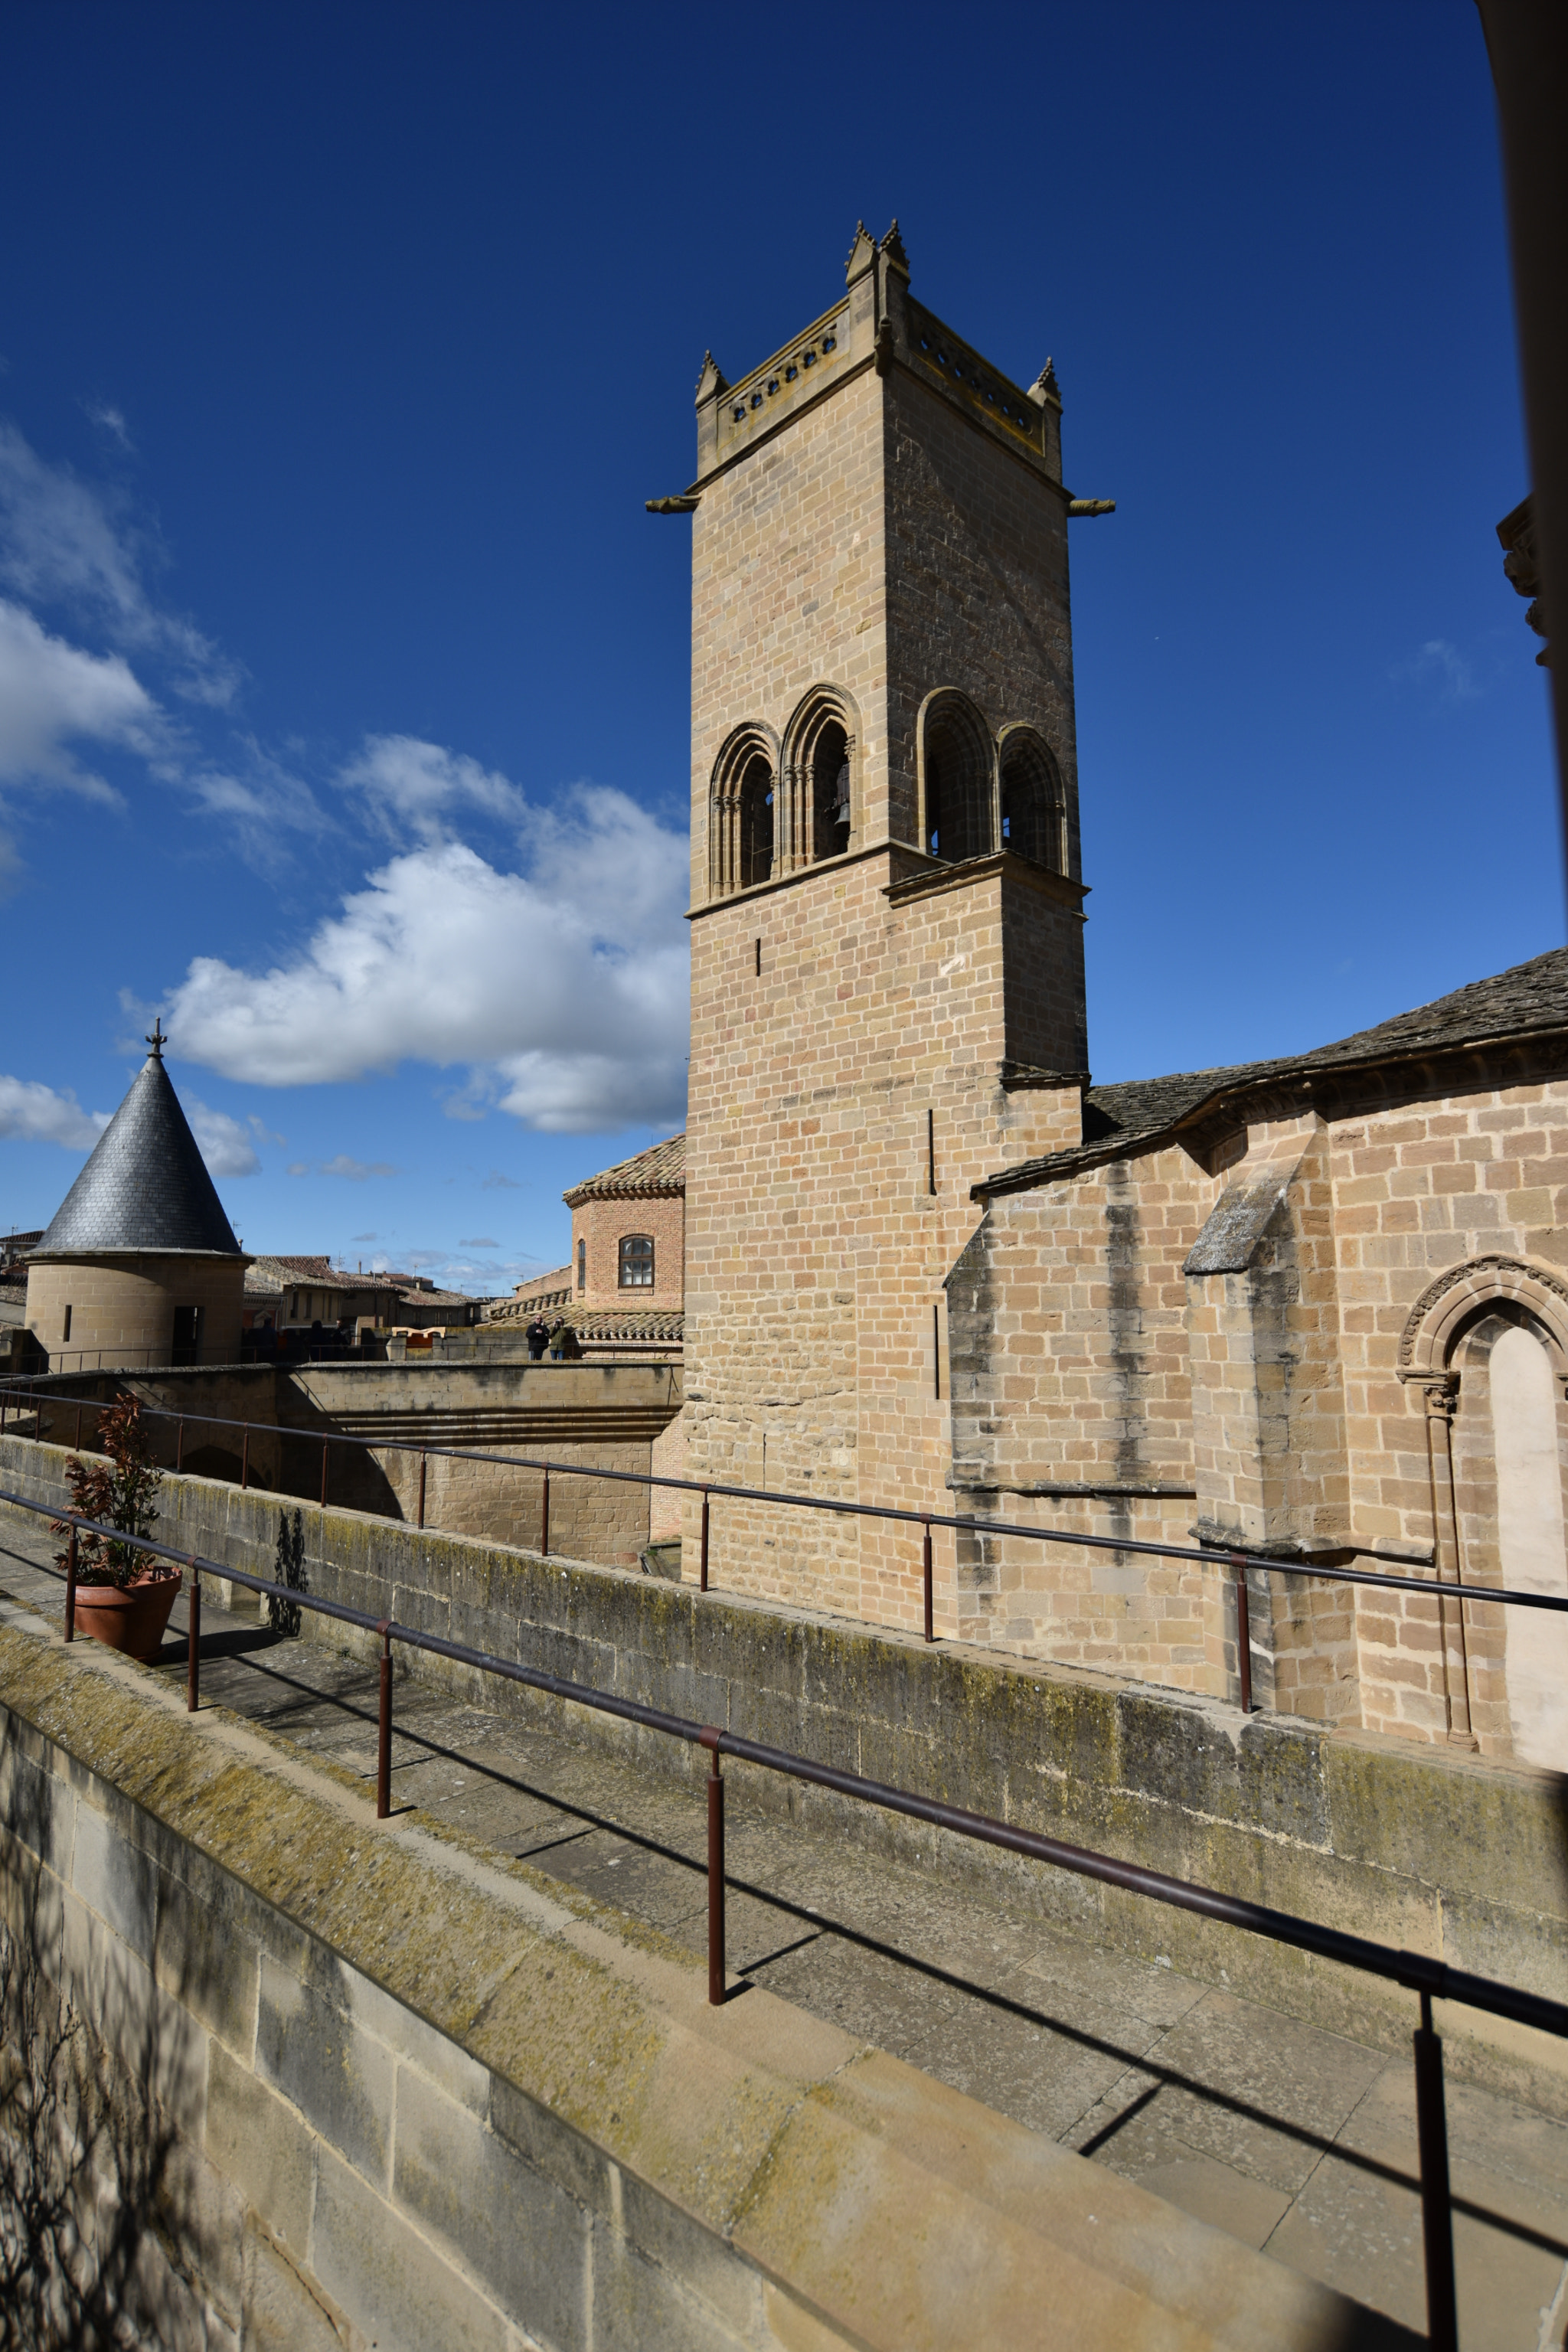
(1215, 1554)
(1430, 1980)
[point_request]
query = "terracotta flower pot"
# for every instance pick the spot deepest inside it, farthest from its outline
(132, 1620)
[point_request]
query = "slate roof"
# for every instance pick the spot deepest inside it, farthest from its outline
(146, 1185)
(1122, 1122)
(661, 1169)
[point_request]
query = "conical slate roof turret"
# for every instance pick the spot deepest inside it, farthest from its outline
(146, 1186)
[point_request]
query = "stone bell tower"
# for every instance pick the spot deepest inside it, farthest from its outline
(887, 965)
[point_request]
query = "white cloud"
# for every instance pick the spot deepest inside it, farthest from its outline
(356, 1170)
(1442, 665)
(60, 544)
(260, 798)
(37, 1113)
(222, 1141)
(52, 694)
(478, 1240)
(104, 414)
(412, 787)
(563, 989)
(342, 1164)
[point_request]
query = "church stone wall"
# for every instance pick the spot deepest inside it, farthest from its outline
(1071, 1409)
(1420, 1189)
(1264, 1397)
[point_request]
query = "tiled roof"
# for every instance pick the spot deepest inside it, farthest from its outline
(551, 1290)
(146, 1185)
(661, 1169)
(1122, 1122)
(620, 1323)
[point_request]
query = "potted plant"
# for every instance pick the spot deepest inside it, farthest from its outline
(123, 1596)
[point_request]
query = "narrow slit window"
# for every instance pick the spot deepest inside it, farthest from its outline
(637, 1262)
(65, 1327)
(581, 1265)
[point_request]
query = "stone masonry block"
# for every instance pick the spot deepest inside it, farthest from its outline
(404, 2295)
(311, 2050)
(519, 2235)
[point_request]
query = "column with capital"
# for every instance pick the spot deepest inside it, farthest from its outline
(1440, 1392)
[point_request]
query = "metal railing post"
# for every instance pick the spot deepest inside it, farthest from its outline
(420, 1519)
(544, 1518)
(710, 1739)
(1243, 1637)
(383, 1732)
(245, 1459)
(70, 1587)
(194, 1642)
(79, 1429)
(180, 1443)
(325, 1451)
(926, 1571)
(703, 1584)
(1436, 2210)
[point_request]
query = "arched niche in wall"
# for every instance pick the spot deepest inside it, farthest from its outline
(957, 770)
(1490, 1339)
(1033, 803)
(742, 809)
(821, 796)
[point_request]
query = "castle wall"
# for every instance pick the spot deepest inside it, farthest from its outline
(123, 1308)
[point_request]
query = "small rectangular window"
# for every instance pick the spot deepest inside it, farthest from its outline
(581, 1265)
(637, 1262)
(65, 1328)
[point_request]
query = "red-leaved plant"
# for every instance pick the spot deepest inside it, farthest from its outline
(117, 1491)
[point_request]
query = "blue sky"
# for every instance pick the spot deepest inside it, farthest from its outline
(343, 680)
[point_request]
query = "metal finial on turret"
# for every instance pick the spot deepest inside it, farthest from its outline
(158, 1040)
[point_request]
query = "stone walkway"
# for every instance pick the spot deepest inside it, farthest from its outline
(1293, 2139)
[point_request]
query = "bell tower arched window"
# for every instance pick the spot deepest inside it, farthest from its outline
(756, 822)
(956, 780)
(818, 809)
(1033, 811)
(743, 807)
(831, 791)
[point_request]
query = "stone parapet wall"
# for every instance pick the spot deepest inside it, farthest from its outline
(1420, 1847)
(375, 2086)
(605, 1417)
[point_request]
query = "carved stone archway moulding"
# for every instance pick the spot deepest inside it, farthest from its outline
(1448, 1306)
